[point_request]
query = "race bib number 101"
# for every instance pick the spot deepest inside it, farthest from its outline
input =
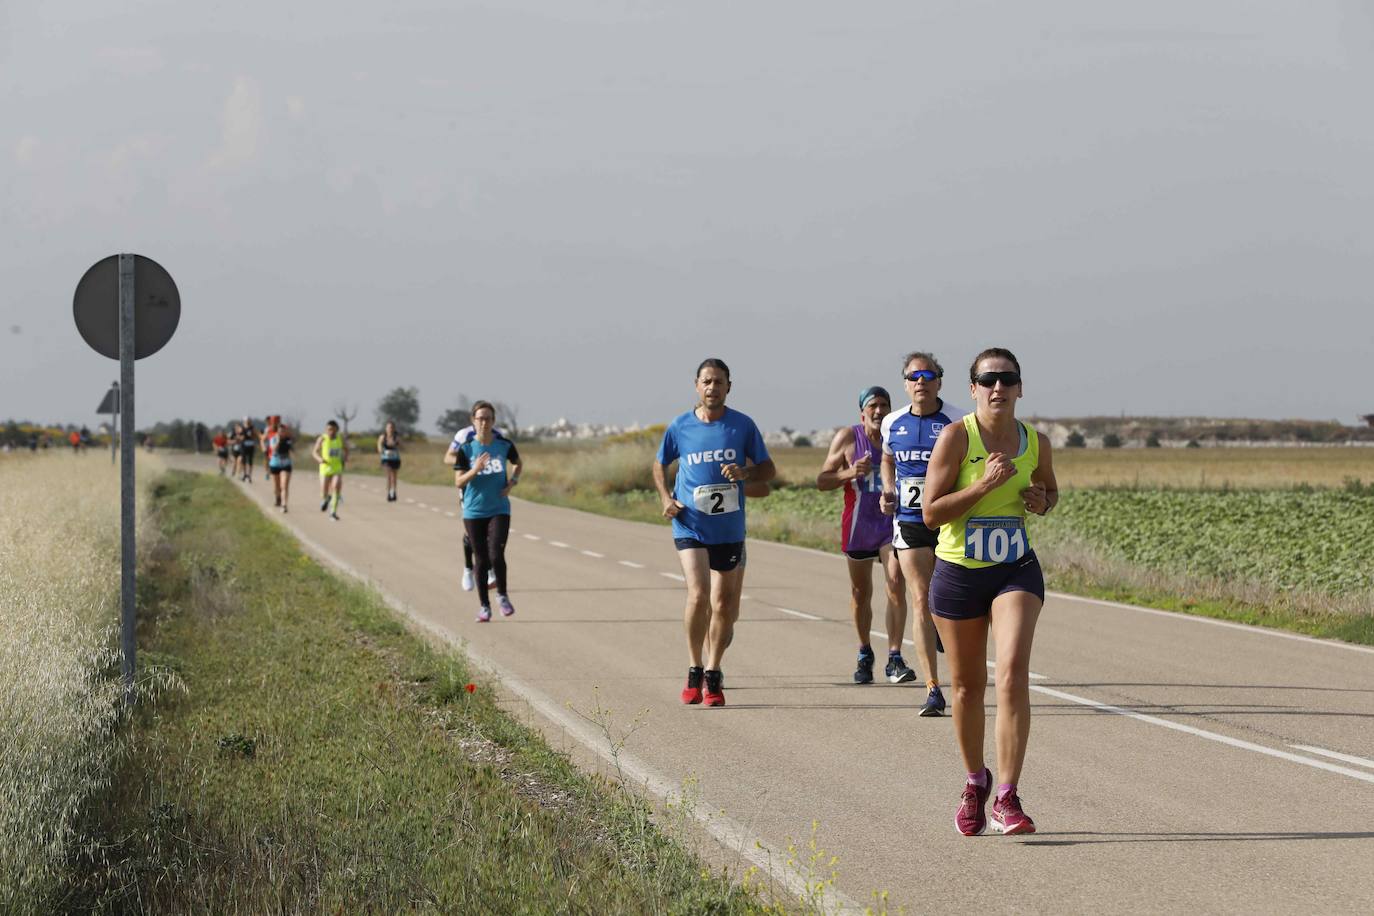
(995, 539)
(716, 498)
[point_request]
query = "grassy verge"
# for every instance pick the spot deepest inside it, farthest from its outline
(323, 758)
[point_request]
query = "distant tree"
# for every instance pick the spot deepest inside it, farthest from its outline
(402, 406)
(1075, 440)
(1111, 440)
(1153, 441)
(802, 442)
(1193, 443)
(346, 413)
(507, 417)
(455, 418)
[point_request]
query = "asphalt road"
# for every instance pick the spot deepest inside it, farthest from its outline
(1175, 764)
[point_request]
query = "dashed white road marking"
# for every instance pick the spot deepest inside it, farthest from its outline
(593, 553)
(530, 537)
(434, 508)
(409, 500)
(631, 564)
(557, 544)
(802, 615)
(673, 576)
(450, 515)
(421, 506)
(1336, 755)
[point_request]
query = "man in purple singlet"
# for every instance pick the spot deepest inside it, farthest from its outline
(865, 532)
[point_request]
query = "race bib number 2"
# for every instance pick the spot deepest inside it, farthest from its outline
(911, 490)
(995, 539)
(716, 498)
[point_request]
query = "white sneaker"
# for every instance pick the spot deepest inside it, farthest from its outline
(491, 577)
(468, 584)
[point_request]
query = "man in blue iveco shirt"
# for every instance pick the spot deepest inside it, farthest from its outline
(713, 446)
(909, 437)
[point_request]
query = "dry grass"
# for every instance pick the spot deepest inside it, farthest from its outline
(59, 592)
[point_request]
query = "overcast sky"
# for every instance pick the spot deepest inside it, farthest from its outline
(1163, 208)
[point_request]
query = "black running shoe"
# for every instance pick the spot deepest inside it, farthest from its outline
(864, 673)
(897, 671)
(324, 504)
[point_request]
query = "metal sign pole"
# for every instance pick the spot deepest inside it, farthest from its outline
(125, 403)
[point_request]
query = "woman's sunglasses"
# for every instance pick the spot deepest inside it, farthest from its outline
(989, 379)
(919, 374)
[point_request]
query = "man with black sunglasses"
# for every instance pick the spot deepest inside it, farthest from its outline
(909, 437)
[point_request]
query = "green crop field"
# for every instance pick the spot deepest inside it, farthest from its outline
(1297, 539)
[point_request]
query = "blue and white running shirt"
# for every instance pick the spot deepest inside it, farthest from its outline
(714, 507)
(910, 439)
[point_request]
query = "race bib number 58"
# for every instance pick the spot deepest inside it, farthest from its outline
(716, 498)
(995, 539)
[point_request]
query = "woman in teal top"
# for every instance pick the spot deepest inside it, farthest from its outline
(985, 474)
(486, 467)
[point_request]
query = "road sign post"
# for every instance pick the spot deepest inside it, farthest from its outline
(147, 308)
(128, 615)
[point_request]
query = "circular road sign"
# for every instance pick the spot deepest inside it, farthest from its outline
(157, 306)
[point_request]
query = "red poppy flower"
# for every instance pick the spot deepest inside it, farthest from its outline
(470, 688)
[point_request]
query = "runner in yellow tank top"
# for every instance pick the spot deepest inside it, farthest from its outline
(984, 476)
(331, 451)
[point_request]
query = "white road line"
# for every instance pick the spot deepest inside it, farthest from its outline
(450, 515)
(434, 508)
(421, 506)
(530, 537)
(409, 500)
(673, 576)
(803, 616)
(1230, 625)
(557, 544)
(631, 564)
(1202, 733)
(593, 553)
(1337, 755)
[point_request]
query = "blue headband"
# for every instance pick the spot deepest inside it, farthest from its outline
(872, 392)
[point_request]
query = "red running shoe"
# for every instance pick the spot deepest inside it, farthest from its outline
(970, 819)
(1008, 818)
(691, 694)
(715, 688)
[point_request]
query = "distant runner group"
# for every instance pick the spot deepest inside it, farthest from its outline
(936, 497)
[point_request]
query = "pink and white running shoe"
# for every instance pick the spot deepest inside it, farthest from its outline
(484, 614)
(506, 607)
(970, 819)
(1008, 818)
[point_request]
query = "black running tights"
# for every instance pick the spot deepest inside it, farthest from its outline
(488, 536)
